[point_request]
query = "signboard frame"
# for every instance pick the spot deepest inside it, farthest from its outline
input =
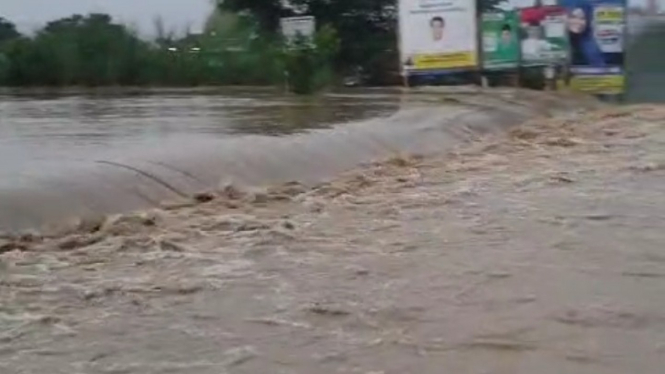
(308, 25)
(547, 25)
(441, 63)
(495, 22)
(597, 77)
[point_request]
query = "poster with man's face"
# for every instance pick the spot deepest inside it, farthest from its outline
(544, 36)
(437, 35)
(500, 40)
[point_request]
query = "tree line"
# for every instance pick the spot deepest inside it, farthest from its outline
(94, 50)
(367, 29)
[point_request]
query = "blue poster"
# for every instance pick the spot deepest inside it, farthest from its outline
(596, 32)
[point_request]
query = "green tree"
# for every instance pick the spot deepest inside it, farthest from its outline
(266, 12)
(77, 50)
(8, 33)
(308, 63)
(7, 30)
(367, 29)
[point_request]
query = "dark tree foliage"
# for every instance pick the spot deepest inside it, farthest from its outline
(78, 50)
(266, 12)
(93, 50)
(367, 28)
(7, 30)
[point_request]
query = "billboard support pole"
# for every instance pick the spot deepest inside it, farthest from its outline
(404, 73)
(622, 97)
(520, 69)
(480, 58)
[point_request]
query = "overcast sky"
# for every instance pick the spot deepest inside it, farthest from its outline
(178, 14)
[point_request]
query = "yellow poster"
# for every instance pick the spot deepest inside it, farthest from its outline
(599, 84)
(444, 61)
(438, 35)
(609, 14)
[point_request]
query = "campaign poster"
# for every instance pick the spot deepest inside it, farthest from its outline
(544, 35)
(294, 27)
(596, 31)
(438, 35)
(500, 38)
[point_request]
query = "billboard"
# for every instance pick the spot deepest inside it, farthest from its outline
(596, 30)
(500, 38)
(544, 35)
(293, 26)
(438, 35)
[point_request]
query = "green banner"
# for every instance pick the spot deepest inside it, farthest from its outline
(500, 32)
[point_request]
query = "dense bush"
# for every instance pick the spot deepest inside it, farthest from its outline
(95, 51)
(308, 64)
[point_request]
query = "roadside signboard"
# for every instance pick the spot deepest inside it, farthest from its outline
(438, 36)
(596, 30)
(500, 40)
(544, 36)
(292, 27)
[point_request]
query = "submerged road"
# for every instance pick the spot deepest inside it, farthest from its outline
(114, 178)
(536, 252)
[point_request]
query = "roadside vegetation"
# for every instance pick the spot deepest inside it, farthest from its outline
(241, 45)
(94, 50)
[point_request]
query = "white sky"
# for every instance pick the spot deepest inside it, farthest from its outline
(177, 14)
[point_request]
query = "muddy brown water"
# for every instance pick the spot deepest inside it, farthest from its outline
(133, 163)
(537, 252)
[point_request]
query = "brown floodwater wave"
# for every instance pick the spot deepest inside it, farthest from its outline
(428, 121)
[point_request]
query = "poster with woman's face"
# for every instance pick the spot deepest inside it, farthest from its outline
(596, 32)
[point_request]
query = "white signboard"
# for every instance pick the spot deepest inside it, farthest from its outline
(294, 26)
(438, 34)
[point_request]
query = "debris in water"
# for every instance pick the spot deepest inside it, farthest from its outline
(79, 241)
(232, 192)
(130, 223)
(204, 197)
(329, 311)
(239, 356)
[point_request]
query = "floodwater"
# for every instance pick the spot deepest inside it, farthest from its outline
(173, 150)
(537, 252)
(46, 133)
